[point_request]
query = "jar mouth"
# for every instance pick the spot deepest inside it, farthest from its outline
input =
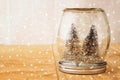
(82, 68)
(83, 10)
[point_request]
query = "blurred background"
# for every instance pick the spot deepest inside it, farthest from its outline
(37, 21)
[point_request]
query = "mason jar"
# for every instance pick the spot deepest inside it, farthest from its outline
(82, 41)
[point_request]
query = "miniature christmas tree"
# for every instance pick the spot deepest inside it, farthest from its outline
(90, 45)
(73, 47)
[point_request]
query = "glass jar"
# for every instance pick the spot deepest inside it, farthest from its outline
(82, 41)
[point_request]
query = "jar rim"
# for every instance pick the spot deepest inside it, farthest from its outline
(84, 9)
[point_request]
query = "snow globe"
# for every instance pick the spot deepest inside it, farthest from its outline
(82, 41)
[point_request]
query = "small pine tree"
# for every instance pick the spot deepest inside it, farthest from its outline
(73, 47)
(90, 45)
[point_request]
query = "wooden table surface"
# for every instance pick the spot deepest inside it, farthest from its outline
(36, 62)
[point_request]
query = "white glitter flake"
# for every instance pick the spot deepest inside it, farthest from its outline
(91, 78)
(42, 69)
(112, 69)
(2, 65)
(83, 76)
(10, 56)
(45, 73)
(46, 14)
(31, 65)
(63, 79)
(109, 72)
(22, 73)
(24, 27)
(31, 74)
(114, 62)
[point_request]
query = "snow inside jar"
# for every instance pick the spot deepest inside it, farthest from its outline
(82, 41)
